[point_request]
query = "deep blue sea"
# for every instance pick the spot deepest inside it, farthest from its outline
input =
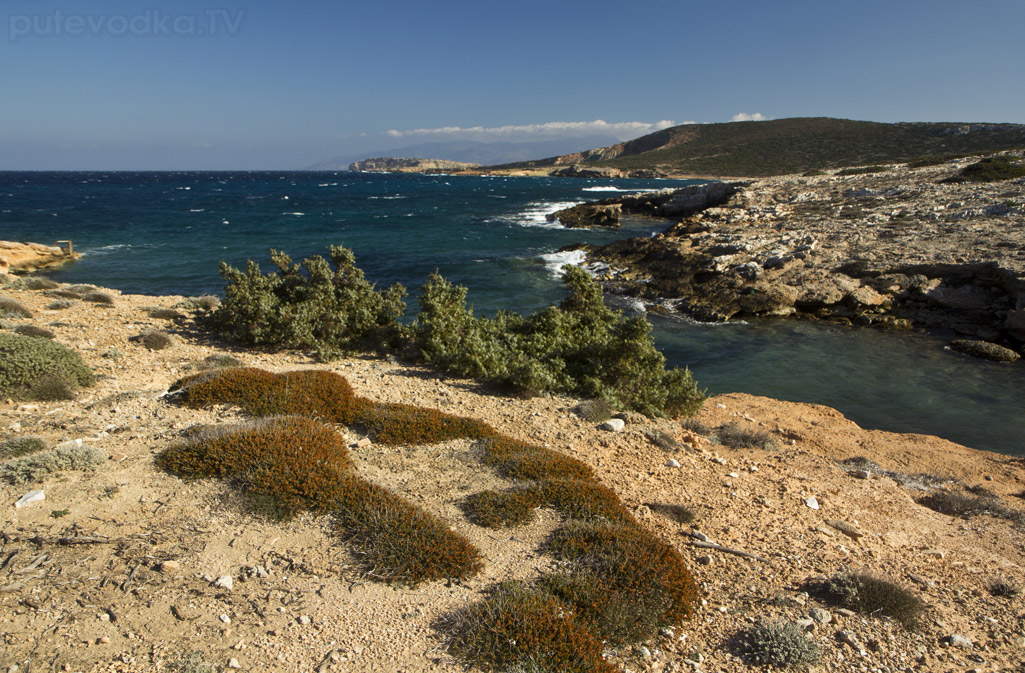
(164, 233)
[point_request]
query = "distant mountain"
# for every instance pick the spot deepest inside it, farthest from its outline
(469, 151)
(754, 149)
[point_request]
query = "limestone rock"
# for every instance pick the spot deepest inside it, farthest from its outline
(26, 257)
(614, 425)
(984, 350)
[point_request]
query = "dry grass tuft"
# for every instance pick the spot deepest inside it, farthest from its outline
(35, 331)
(12, 308)
(871, 595)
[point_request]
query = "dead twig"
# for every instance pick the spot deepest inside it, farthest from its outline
(728, 550)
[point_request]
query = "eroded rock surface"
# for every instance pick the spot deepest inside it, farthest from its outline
(896, 248)
(27, 257)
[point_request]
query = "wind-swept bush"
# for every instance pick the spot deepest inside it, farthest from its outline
(25, 360)
(313, 305)
(779, 644)
(869, 594)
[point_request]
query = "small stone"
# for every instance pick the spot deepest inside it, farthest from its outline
(861, 474)
(844, 612)
(847, 529)
(104, 640)
(924, 581)
(614, 425)
(704, 560)
(644, 652)
(239, 646)
(304, 620)
(733, 475)
(225, 618)
(30, 498)
(812, 502)
(363, 443)
(821, 616)
(168, 567)
(807, 623)
(988, 477)
(935, 553)
(224, 582)
(850, 639)
(720, 406)
(672, 462)
(700, 536)
(233, 663)
(956, 640)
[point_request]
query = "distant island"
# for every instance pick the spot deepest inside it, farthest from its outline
(394, 165)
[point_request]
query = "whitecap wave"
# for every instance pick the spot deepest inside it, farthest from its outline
(296, 214)
(536, 214)
(609, 188)
(554, 261)
(197, 210)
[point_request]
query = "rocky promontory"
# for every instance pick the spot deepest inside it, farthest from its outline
(397, 165)
(28, 257)
(895, 246)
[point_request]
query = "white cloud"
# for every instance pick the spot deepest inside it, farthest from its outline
(621, 130)
(745, 117)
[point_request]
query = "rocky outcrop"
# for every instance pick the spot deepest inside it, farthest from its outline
(28, 257)
(896, 249)
(394, 165)
(666, 203)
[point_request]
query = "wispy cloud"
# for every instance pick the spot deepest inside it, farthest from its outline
(621, 130)
(745, 117)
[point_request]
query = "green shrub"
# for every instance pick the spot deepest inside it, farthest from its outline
(219, 361)
(25, 360)
(594, 411)
(677, 513)
(663, 440)
(736, 437)
(193, 662)
(696, 426)
(990, 169)
(154, 339)
(11, 308)
(518, 628)
(580, 347)
(34, 331)
(48, 388)
(63, 293)
(871, 595)
(36, 466)
(36, 283)
(207, 302)
(60, 305)
(99, 297)
(308, 306)
(630, 561)
(779, 644)
(585, 499)
(15, 447)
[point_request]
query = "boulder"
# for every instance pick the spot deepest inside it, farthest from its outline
(27, 257)
(984, 350)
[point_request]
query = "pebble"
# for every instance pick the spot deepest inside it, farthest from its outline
(104, 640)
(704, 560)
(700, 536)
(935, 553)
(820, 615)
(861, 474)
(30, 498)
(807, 623)
(258, 571)
(225, 618)
(233, 663)
(304, 620)
(224, 582)
(957, 640)
(363, 443)
(847, 529)
(614, 425)
(849, 638)
(168, 567)
(812, 502)
(672, 462)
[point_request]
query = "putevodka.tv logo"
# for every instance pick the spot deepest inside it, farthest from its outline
(147, 23)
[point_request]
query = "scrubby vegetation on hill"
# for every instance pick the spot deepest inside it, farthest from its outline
(580, 347)
(30, 364)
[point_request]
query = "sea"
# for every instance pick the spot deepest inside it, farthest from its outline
(166, 233)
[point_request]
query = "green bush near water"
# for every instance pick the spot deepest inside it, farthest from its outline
(25, 361)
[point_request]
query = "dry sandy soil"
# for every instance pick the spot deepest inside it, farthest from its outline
(300, 600)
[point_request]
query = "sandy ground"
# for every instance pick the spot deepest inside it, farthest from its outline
(300, 601)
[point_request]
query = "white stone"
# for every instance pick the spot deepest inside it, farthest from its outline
(225, 618)
(672, 462)
(233, 663)
(614, 425)
(812, 502)
(30, 498)
(224, 582)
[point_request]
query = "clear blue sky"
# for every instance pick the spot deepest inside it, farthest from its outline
(270, 84)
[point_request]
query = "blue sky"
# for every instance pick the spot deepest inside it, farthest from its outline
(267, 84)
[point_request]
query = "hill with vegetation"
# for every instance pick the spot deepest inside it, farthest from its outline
(783, 146)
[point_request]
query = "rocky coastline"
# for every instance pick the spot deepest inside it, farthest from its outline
(27, 257)
(893, 246)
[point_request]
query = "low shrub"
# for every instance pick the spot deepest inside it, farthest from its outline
(192, 662)
(395, 423)
(62, 293)
(990, 169)
(35, 331)
(219, 361)
(36, 283)
(207, 302)
(12, 308)
(585, 499)
(35, 467)
(400, 542)
(25, 360)
(154, 340)
(696, 426)
(80, 289)
(663, 440)
(60, 305)
(736, 437)
(964, 505)
(618, 617)
(594, 411)
(522, 460)
(774, 643)
(48, 388)
(862, 170)
(15, 447)
(320, 305)
(629, 561)
(99, 297)
(1002, 587)
(519, 628)
(814, 173)
(165, 314)
(494, 509)
(871, 595)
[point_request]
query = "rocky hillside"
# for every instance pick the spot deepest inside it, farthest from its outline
(782, 146)
(393, 165)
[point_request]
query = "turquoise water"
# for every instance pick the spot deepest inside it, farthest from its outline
(159, 233)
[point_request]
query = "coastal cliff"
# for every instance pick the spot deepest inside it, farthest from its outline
(28, 257)
(398, 165)
(896, 246)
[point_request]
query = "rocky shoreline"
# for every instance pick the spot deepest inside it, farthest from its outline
(892, 246)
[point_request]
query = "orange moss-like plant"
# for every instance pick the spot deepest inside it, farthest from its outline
(287, 464)
(522, 460)
(393, 424)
